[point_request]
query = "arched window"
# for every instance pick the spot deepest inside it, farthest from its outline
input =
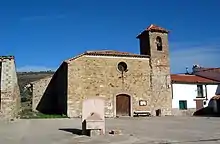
(159, 43)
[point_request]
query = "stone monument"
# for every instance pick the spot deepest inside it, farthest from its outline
(93, 117)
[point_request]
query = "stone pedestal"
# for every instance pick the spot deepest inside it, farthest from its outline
(93, 120)
(95, 132)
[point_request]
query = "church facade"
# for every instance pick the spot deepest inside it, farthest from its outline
(127, 82)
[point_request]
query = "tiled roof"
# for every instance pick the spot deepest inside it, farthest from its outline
(183, 78)
(153, 27)
(113, 53)
(210, 73)
(109, 53)
(207, 70)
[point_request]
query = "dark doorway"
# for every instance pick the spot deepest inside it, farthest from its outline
(123, 105)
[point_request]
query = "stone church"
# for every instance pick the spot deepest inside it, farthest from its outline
(127, 82)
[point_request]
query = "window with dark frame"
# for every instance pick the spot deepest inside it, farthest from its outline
(159, 43)
(183, 104)
(122, 67)
(200, 93)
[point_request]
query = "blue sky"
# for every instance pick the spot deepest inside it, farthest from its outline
(42, 33)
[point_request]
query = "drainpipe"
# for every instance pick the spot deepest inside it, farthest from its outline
(206, 93)
(172, 89)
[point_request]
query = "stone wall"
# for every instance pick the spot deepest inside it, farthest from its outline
(90, 76)
(160, 64)
(178, 112)
(53, 99)
(10, 93)
(38, 89)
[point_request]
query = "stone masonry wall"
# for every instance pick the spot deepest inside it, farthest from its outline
(160, 64)
(90, 76)
(38, 89)
(10, 94)
(54, 99)
(188, 112)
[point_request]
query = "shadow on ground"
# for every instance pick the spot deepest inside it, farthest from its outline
(212, 110)
(72, 130)
(206, 112)
(75, 131)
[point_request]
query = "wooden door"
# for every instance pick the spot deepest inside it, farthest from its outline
(123, 105)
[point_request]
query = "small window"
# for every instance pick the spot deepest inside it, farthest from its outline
(159, 43)
(182, 104)
(122, 67)
(200, 93)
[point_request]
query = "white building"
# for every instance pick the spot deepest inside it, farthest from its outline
(191, 93)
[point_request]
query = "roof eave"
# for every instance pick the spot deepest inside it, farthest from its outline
(113, 55)
(152, 30)
(182, 82)
(119, 55)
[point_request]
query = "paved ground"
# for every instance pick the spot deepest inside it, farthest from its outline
(155, 130)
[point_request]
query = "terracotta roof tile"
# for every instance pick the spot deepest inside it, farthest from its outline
(113, 53)
(210, 73)
(153, 27)
(190, 79)
(109, 53)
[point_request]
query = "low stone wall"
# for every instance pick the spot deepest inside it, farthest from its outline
(39, 88)
(10, 105)
(178, 112)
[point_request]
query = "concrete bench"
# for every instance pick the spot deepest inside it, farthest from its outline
(142, 113)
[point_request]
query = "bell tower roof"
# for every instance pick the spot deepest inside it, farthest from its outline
(153, 28)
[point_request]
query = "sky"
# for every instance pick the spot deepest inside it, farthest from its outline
(43, 33)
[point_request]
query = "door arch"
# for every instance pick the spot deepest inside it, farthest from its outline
(123, 105)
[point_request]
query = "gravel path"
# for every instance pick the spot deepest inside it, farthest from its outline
(154, 130)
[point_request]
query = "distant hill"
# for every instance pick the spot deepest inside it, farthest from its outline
(27, 77)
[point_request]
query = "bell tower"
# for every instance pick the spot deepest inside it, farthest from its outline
(154, 43)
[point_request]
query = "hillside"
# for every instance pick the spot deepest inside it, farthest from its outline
(27, 77)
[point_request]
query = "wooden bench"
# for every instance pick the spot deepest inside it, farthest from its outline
(142, 113)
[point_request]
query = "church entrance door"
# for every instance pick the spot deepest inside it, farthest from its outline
(123, 103)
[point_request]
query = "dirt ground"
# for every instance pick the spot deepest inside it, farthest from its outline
(152, 130)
